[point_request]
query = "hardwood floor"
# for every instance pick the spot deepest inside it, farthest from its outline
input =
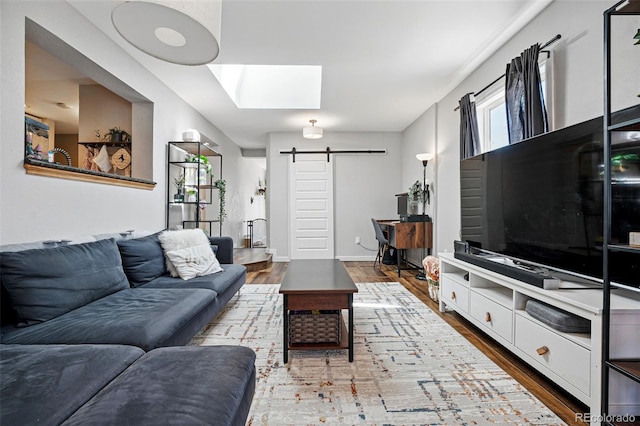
(565, 406)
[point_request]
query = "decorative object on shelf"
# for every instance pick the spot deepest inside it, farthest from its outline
(637, 37)
(202, 159)
(221, 184)
(415, 197)
(102, 160)
(180, 32)
(61, 151)
(179, 184)
(312, 132)
(116, 134)
(191, 135)
(431, 265)
(191, 195)
(424, 158)
(121, 160)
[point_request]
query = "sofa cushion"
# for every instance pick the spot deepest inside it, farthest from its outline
(45, 384)
(142, 259)
(147, 318)
(225, 284)
(186, 385)
(45, 283)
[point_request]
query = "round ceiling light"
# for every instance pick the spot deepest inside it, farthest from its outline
(312, 132)
(165, 33)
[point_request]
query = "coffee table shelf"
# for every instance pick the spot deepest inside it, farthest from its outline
(318, 285)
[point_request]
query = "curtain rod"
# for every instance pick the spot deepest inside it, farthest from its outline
(553, 40)
(329, 151)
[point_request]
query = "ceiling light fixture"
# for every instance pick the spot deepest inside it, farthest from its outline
(312, 132)
(182, 32)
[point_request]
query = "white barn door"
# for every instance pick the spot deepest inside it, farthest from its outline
(311, 207)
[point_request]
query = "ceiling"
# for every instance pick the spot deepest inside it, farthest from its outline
(384, 61)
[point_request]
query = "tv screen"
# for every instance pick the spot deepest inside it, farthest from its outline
(541, 200)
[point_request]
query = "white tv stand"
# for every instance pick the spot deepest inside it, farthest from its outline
(495, 303)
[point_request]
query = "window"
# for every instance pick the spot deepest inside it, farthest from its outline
(492, 113)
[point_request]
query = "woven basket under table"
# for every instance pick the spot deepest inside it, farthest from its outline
(314, 327)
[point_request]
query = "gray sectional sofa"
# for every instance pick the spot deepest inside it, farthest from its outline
(93, 333)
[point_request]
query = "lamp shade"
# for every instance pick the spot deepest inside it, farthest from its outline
(426, 156)
(180, 32)
(312, 132)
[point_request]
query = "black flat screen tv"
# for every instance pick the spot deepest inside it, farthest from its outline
(541, 201)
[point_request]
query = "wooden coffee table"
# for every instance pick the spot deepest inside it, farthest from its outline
(321, 285)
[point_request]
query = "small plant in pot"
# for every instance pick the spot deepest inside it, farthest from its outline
(179, 183)
(415, 196)
(116, 134)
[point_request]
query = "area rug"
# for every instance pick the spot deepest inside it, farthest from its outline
(410, 367)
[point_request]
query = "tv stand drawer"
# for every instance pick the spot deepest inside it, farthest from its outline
(454, 294)
(554, 353)
(494, 317)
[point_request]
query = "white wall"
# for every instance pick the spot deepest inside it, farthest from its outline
(37, 208)
(578, 93)
(364, 187)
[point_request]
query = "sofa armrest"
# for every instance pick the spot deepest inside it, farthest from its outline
(225, 248)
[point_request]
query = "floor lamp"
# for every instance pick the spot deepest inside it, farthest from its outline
(425, 157)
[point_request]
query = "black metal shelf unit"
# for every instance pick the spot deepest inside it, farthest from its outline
(192, 212)
(615, 243)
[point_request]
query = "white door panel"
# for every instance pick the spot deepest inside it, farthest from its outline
(311, 201)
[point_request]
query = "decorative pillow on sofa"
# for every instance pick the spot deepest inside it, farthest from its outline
(45, 283)
(142, 259)
(195, 261)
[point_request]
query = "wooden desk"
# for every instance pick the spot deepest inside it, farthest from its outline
(408, 235)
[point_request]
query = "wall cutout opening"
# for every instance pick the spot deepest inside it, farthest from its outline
(82, 122)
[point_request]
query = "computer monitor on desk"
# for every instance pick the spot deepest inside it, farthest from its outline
(403, 210)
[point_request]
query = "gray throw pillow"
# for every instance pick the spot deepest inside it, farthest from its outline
(45, 283)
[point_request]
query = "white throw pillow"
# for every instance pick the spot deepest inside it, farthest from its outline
(103, 160)
(194, 261)
(181, 239)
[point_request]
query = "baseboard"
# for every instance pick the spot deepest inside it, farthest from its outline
(356, 258)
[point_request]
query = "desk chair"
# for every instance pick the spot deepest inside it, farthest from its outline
(383, 242)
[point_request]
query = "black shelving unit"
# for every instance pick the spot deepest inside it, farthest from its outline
(616, 242)
(177, 153)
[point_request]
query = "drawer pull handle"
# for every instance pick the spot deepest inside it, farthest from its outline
(453, 295)
(542, 350)
(487, 317)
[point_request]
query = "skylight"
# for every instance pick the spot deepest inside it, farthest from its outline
(271, 86)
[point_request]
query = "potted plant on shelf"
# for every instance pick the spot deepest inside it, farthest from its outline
(179, 183)
(116, 134)
(415, 197)
(205, 167)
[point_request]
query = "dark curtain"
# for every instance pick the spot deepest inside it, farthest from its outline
(469, 135)
(526, 114)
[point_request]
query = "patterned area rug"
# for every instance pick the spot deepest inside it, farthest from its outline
(410, 367)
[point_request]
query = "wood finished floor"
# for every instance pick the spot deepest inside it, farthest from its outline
(565, 406)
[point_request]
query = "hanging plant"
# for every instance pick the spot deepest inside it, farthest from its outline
(221, 184)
